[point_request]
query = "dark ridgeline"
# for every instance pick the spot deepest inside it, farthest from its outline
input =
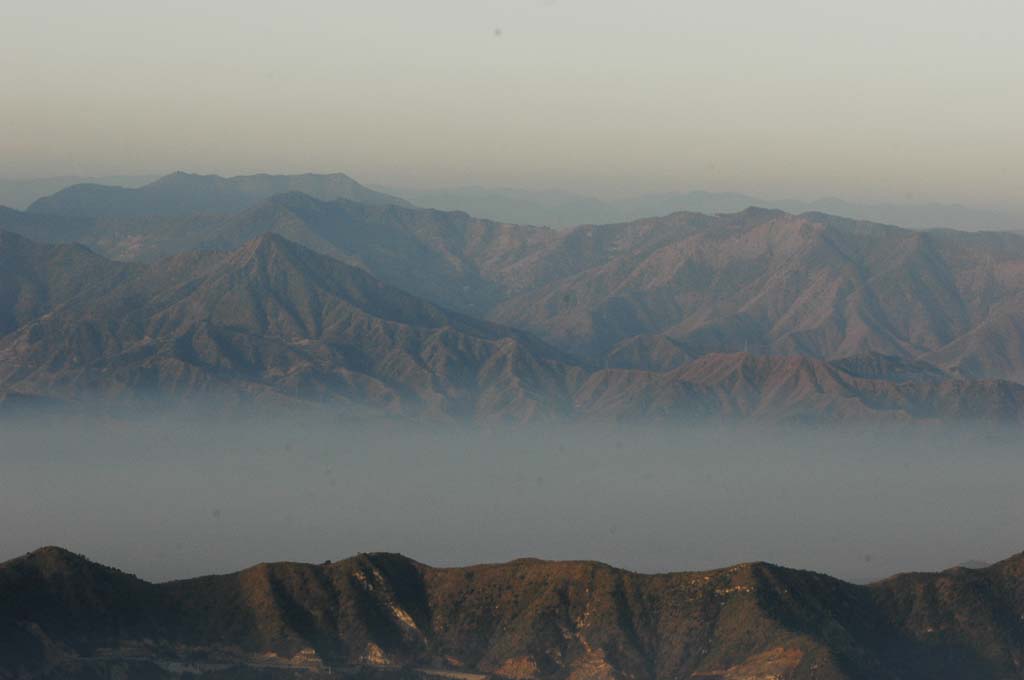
(384, 615)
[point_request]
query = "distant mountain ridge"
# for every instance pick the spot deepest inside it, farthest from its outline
(21, 193)
(447, 256)
(181, 194)
(387, 616)
(564, 209)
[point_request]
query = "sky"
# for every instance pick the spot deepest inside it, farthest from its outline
(869, 100)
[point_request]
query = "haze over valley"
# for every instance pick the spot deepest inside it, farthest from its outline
(183, 495)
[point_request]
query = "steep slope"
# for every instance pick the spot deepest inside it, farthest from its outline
(450, 258)
(760, 280)
(35, 279)
(868, 387)
(182, 194)
(55, 602)
(774, 283)
(275, 320)
(54, 228)
(957, 624)
(524, 619)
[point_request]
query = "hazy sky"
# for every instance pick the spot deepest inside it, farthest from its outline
(874, 99)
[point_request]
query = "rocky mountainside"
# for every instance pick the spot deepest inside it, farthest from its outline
(653, 293)
(384, 615)
(270, 320)
(183, 194)
(273, 322)
(658, 292)
(796, 388)
(37, 278)
(448, 257)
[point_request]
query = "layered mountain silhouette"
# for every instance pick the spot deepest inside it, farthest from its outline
(182, 194)
(273, 322)
(384, 615)
(798, 315)
(448, 257)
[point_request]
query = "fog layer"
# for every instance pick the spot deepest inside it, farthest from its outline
(171, 498)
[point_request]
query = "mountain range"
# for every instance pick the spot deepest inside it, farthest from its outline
(181, 193)
(562, 209)
(424, 312)
(274, 322)
(387, 616)
(270, 319)
(21, 193)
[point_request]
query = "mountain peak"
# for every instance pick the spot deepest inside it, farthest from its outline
(181, 193)
(265, 248)
(53, 552)
(52, 558)
(759, 213)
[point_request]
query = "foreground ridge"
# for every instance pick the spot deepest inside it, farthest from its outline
(387, 616)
